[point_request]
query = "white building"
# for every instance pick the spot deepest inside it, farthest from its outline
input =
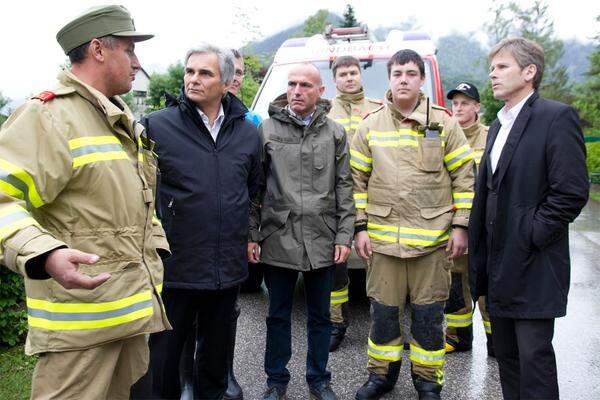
(140, 91)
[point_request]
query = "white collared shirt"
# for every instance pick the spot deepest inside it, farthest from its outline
(216, 126)
(306, 119)
(507, 119)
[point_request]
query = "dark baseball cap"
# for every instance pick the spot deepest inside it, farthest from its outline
(466, 88)
(98, 22)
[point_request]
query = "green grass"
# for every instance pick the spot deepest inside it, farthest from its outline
(595, 195)
(15, 373)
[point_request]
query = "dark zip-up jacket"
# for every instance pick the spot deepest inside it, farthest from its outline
(204, 191)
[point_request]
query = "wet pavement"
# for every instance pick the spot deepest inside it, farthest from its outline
(471, 375)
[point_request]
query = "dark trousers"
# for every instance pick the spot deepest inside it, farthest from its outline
(525, 358)
(213, 311)
(281, 283)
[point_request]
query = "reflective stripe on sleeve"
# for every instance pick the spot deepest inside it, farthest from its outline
(360, 161)
(89, 149)
(16, 182)
(387, 353)
(458, 157)
(14, 218)
(84, 316)
(487, 325)
(463, 200)
(360, 200)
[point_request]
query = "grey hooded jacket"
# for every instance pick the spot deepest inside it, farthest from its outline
(305, 206)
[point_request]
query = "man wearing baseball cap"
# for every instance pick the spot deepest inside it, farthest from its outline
(77, 180)
(459, 307)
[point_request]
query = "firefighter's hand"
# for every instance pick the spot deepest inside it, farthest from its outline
(341, 253)
(63, 265)
(253, 252)
(362, 244)
(458, 242)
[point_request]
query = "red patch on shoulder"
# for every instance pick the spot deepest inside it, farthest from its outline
(45, 96)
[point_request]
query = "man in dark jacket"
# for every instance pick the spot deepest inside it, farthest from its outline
(209, 162)
(532, 184)
(306, 224)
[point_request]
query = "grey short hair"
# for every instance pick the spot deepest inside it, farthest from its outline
(79, 53)
(225, 57)
(525, 52)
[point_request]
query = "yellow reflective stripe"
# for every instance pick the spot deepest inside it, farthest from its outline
(477, 154)
(95, 157)
(140, 149)
(92, 141)
(360, 161)
(86, 325)
(458, 157)
(463, 200)
(13, 177)
(10, 190)
(487, 325)
(14, 218)
(360, 200)
(397, 138)
(81, 316)
(340, 296)
(87, 307)
(422, 237)
(385, 233)
(388, 353)
(424, 357)
(459, 320)
(159, 288)
(156, 221)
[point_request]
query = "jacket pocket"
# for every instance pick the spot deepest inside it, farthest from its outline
(330, 223)
(431, 154)
(319, 155)
(378, 210)
(272, 221)
(434, 212)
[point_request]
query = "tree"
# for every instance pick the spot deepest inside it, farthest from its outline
(252, 79)
(3, 102)
(588, 94)
(535, 24)
(349, 18)
(316, 23)
(461, 58)
(160, 84)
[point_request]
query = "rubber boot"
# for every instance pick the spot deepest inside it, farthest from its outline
(378, 385)
(464, 342)
(337, 337)
(234, 390)
(427, 390)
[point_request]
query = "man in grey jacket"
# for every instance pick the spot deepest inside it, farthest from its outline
(306, 217)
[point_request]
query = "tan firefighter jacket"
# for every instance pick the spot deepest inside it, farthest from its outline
(76, 170)
(409, 187)
(476, 136)
(349, 109)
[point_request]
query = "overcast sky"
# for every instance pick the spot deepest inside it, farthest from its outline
(31, 57)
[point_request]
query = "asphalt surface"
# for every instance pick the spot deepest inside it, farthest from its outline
(471, 375)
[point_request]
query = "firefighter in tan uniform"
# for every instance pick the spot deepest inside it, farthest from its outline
(348, 108)
(77, 177)
(413, 186)
(459, 307)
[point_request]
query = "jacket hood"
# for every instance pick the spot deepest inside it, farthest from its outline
(278, 110)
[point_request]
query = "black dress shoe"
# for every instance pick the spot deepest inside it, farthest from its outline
(374, 388)
(234, 390)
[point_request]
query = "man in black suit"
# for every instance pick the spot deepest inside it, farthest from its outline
(532, 184)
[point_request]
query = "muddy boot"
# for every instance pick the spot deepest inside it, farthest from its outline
(378, 385)
(427, 390)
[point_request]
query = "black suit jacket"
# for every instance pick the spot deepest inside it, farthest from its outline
(520, 260)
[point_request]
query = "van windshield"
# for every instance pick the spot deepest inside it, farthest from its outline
(374, 79)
